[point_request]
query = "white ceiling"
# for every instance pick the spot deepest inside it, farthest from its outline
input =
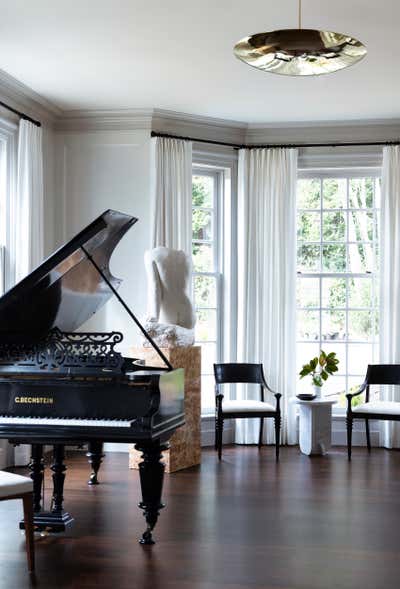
(177, 55)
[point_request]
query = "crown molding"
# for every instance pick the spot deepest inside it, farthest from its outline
(324, 131)
(159, 120)
(23, 98)
(197, 126)
(105, 120)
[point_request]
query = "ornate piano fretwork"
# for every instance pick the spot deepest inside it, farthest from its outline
(65, 352)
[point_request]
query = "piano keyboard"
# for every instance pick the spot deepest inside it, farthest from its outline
(67, 422)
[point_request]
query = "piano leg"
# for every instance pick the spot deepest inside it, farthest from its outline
(57, 519)
(36, 466)
(95, 455)
(58, 467)
(151, 472)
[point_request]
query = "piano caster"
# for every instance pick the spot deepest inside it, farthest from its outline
(93, 480)
(95, 456)
(147, 538)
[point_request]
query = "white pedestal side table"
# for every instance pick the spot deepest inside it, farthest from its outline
(315, 426)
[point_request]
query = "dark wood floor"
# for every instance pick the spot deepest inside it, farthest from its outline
(245, 523)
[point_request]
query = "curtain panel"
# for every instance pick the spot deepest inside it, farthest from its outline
(28, 213)
(267, 285)
(389, 334)
(27, 218)
(173, 194)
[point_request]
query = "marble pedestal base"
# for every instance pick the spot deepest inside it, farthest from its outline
(185, 449)
(315, 426)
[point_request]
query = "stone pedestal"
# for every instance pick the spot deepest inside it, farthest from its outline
(185, 450)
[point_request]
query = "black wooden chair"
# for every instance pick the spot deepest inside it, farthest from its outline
(226, 409)
(377, 374)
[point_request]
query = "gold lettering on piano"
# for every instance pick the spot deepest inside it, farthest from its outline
(32, 400)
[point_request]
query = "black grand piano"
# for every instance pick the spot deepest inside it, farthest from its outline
(59, 386)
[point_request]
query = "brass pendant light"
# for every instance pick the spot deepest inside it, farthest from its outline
(300, 52)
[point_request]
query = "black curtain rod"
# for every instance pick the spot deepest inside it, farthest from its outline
(20, 114)
(272, 145)
(168, 136)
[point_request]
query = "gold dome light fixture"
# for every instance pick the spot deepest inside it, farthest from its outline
(300, 52)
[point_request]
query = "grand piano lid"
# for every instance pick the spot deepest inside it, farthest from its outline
(66, 289)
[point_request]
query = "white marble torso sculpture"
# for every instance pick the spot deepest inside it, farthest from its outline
(171, 317)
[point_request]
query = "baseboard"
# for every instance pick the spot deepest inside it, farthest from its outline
(339, 435)
(208, 431)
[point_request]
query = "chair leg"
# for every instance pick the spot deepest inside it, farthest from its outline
(220, 426)
(349, 426)
(368, 435)
(261, 432)
(277, 420)
(27, 500)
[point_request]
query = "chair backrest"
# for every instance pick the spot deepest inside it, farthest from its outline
(383, 374)
(234, 372)
(388, 374)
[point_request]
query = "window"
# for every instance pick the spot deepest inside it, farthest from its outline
(337, 283)
(206, 189)
(8, 160)
(3, 212)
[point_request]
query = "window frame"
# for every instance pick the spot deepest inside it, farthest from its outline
(347, 173)
(218, 176)
(8, 166)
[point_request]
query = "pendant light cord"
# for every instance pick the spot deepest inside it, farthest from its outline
(299, 14)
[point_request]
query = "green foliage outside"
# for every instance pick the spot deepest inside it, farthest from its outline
(362, 227)
(203, 261)
(202, 191)
(202, 196)
(337, 257)
(355, 400)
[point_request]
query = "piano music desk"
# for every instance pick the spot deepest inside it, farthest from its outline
(185, 450)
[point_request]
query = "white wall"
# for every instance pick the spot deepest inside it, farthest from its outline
(96, 171)
(49, 190)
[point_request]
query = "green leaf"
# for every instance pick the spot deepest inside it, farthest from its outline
(324, 375)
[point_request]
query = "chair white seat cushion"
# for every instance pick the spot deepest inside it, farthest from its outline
(14, 484)
(382, 407)
(246, 406)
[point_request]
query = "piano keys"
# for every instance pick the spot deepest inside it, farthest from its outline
(60, 386)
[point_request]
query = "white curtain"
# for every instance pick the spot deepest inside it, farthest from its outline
(173, 194)
(267, 280)
(389, 335)
(28, 212)
(27, 218)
